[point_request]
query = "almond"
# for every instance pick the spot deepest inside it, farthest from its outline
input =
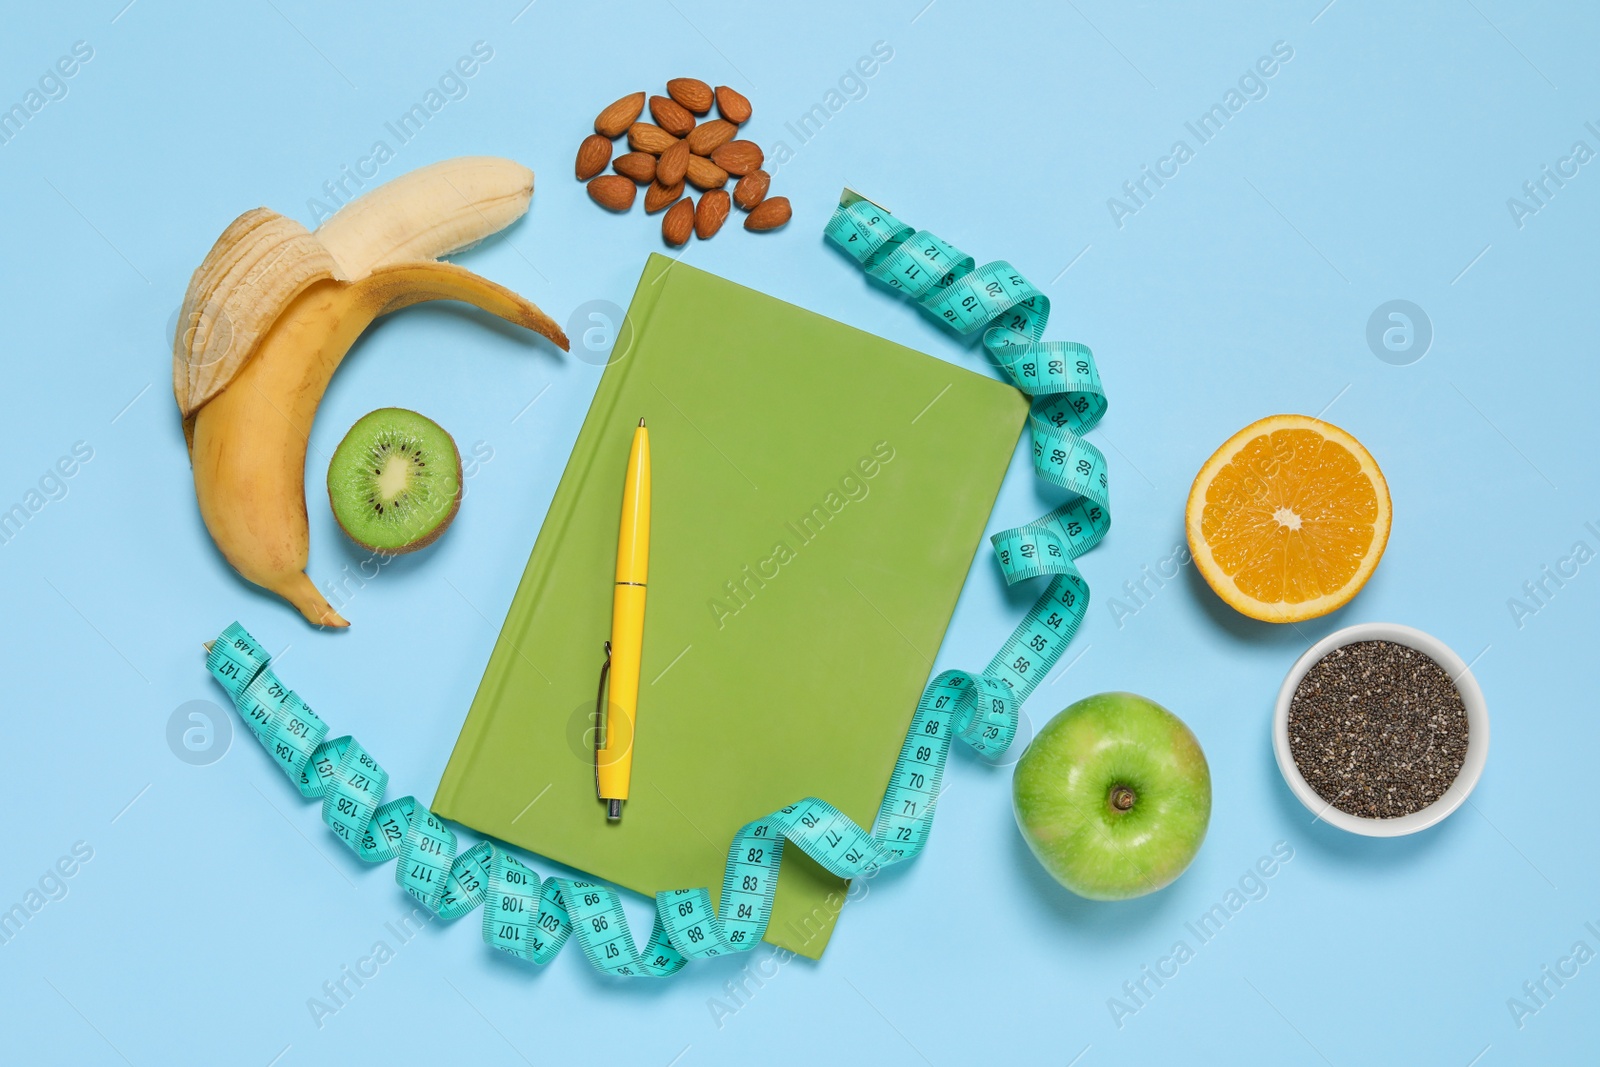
(711, 214)
(593, 155)
(643, 137)
(671, 115)
(692, 93)
(659, 196)
(674, 164)
(710, 136)
(640, 166)
(617, 117)
(612, 192)
(738, 157)
(732, 105)
(768, 215)
(704, 174)
(678, 224)
(751, 190)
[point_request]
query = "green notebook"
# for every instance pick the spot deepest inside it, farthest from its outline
(819, 495)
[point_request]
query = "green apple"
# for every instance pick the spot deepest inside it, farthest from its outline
(1113, 796)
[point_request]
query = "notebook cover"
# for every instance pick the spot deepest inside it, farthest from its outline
(819, 495)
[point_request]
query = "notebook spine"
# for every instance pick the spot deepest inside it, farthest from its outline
(547, 546)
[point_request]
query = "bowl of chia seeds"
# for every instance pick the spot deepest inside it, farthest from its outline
(1381, 730)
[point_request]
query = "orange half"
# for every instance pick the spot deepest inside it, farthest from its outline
(1288, 519)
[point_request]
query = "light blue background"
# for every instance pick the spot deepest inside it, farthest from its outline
(1378, 166)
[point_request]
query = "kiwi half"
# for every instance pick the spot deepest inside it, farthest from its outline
(395, 481)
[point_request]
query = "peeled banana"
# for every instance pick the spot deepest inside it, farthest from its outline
(271, 312)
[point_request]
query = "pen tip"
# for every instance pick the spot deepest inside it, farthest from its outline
(641, 420)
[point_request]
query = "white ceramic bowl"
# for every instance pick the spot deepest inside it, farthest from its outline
(1477, 731)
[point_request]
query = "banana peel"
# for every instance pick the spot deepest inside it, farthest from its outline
(272, 311)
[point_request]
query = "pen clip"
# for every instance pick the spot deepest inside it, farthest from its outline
(600, 719)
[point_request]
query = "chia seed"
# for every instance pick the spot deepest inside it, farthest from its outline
(1378, 729)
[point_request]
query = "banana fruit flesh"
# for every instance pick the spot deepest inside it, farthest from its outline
(430, 212)
(272, 311)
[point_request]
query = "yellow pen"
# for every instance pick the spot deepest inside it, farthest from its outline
(614, 755)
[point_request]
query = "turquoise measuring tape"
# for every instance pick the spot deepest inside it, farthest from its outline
(533, 918)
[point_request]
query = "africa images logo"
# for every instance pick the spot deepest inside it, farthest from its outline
(1251, 86)
(741, 590)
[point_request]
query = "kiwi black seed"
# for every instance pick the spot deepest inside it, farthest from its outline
(395, 481)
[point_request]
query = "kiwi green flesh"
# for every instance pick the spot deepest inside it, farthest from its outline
(395, 481)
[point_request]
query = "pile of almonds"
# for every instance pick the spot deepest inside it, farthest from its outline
(679, 146)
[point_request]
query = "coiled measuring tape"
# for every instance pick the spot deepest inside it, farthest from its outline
(533, 918)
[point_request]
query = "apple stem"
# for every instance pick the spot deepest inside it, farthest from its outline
(1122, 798)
